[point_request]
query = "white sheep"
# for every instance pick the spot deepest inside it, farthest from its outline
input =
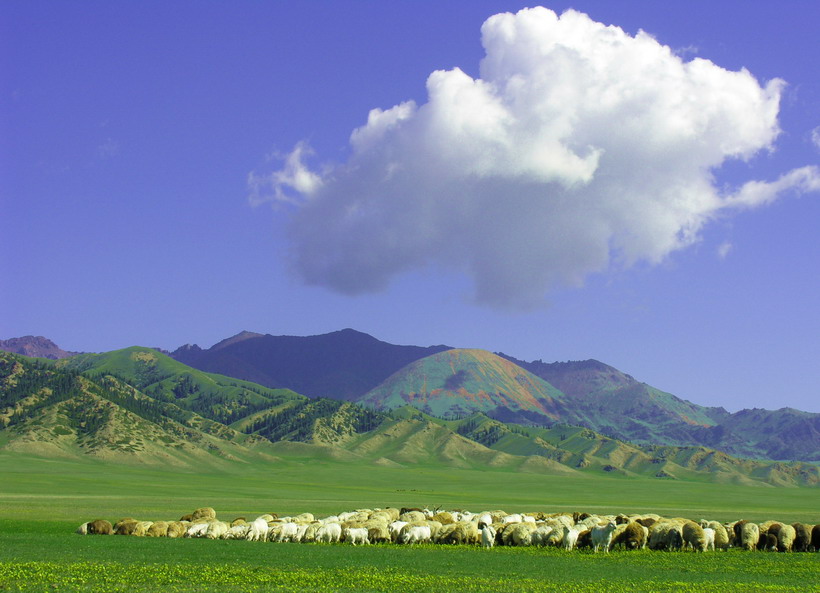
(216, 530)
(602, 536)
(238, 531)
(571, 537)
(257, 531)
(709, 535)
(395, 529)
(196, 530)
(355, 535)
(488, 536)
(287, 532)
(329, 533)
(415, 534)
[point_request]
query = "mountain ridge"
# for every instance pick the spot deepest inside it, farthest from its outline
(348, 365)
(55, 409)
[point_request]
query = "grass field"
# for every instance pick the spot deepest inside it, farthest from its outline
(43, 501)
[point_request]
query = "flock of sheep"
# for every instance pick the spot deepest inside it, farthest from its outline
(489, 528)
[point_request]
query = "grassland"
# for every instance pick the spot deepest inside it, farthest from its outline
(42, 501)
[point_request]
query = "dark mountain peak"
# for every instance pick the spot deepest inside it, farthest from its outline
(240, 337)
(186, 352)
(343, 364)
(34, 346)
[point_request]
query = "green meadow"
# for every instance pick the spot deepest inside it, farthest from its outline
(42, 501)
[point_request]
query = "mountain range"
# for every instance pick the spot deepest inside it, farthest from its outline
(412, 405)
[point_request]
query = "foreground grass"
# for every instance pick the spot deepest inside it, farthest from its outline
(43, 501)
(46, 556)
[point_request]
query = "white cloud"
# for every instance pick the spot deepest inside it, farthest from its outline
(579, 147)
(280, 185)
(724, 249)
(815, 136)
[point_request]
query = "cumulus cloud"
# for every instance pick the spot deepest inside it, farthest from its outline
(578, 148)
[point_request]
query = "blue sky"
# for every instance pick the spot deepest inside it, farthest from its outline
(134, 138)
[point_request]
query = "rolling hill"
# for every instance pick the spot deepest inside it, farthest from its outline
(460, 382)
(54, 409)
(619, 405)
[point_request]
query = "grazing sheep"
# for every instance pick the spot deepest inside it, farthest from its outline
(415, 534)
(802, 539)
(584, 540)
(444, 518)
(355, 535)
(257, 531)
(378, 534)
(721, 536)
(487, 536)
(329, 533)
(141, 528)
(99, 527)
(749, 534)
(570, 538)
(125, 526)
(815, 538)
(785, 538)
(82, 529)
(770, 545)
(541, 535)
(238, 521)
(395, 529)
(196, 530)
(709, 533)
(520, 534)
(412, 517)
(632, 537)
(176, 529)
(666, 535)
(239, 531)
(602, 536)
(287, 532)
(737, 530)
(203, 513)
(693, 536)
(216, 529)
(304, 518)
(157, 529)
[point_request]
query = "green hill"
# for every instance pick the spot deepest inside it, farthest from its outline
(213, 396)
(460, 382)
(54, 410)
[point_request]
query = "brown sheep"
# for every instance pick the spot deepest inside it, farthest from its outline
(100, 527)
(815, 538)
(647, 522)
(737, 528)
(203, 513)
(125, 527)
(584, 539)
(189, 517)
(176, 529)
(633, 537)
(158, 529)
(770, 545)
(802, 539)
(378, 535)
(444, 518)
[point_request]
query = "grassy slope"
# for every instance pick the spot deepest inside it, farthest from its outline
(42, 501)
(214, 396)
(463, 381)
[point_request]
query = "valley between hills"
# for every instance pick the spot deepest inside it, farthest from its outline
(348, 397)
